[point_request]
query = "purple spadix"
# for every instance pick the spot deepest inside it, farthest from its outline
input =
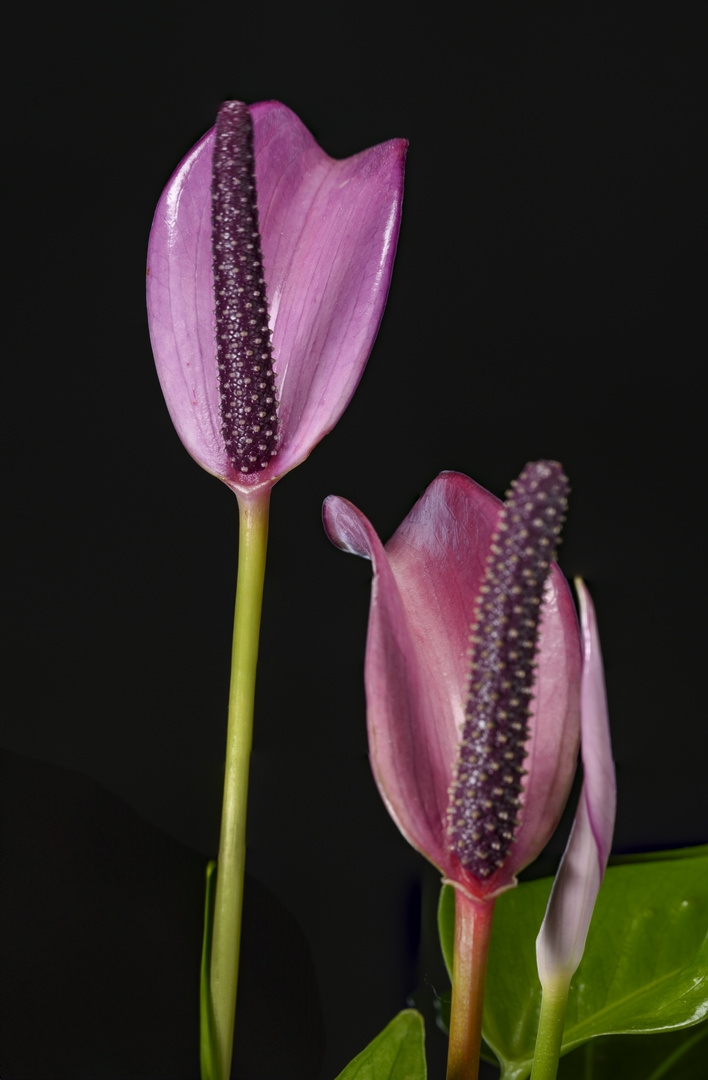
(243, 345)
(485, 795)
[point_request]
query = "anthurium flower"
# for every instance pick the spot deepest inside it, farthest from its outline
(264, 306)
(268, 269)
(474, 754)
(561, 942)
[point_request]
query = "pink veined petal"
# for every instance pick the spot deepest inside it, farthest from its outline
(426, 584)
(405, 702)
(329, 232)
(180, 305)
(438, 555)
(561, 940)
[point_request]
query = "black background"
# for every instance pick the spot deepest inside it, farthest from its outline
(544, 303)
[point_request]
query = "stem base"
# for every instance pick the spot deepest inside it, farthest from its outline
(473, 928)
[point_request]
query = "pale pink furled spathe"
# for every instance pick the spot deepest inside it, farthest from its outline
(329, 231)
(426, 582)
(561, 941)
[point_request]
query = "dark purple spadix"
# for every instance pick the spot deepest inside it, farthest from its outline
(485, 791)
(243, 345)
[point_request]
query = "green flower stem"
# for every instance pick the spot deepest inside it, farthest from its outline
(473, 928)
(228, 903)
(554, 1001)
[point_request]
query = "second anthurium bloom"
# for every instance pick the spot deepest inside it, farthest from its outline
(269, 265)
(473, 665)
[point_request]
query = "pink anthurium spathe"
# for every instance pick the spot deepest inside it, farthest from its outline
(431, 587)
(561, 941)
(328, 233)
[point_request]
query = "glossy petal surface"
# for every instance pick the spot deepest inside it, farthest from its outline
(426, 582)
(561, 941)
(329, 231)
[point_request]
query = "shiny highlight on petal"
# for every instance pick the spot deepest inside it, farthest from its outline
(485, 794)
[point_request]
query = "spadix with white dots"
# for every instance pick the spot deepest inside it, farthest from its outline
(485, 797)
(247, 391)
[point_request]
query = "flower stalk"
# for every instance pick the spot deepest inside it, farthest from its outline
(551, 1022)
(473, 929)
(228, 903)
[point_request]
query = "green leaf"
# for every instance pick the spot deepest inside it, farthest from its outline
(207, 1034)
(645, 966)
(398, 1053)
(653, 856)
(671, 1055)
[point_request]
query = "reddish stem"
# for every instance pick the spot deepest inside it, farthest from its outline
(473, 928)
